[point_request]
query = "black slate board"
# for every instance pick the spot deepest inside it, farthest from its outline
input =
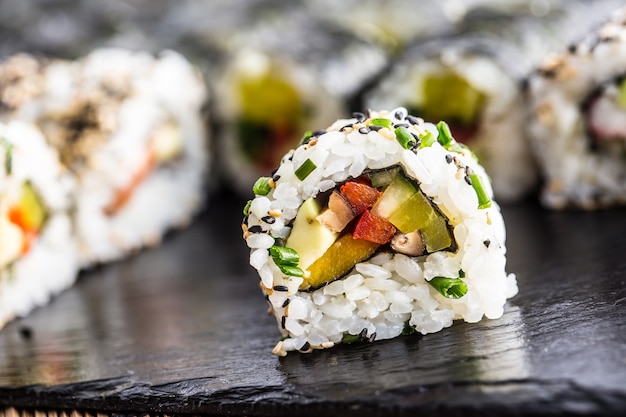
(182, 329)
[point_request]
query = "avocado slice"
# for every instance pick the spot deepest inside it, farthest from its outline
(29, 213)
(309, 237)
(338, 260)
(399, 190)
(450, 97)
(408, 209)
(412, 214)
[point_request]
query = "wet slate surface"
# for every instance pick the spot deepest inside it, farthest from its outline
(182, 329)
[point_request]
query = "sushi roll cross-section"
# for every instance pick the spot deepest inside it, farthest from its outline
(38, 252)
(380, 225)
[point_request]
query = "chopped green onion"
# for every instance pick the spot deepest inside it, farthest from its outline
(483, 199)
(8, 155)
(408, 328)
(445, 135)
(246, 208)
(427, 139)
(461, 273)
(305, 169)
(381, 121)
(291, 270)
(284, 255)
(350, 338)
(286, 259)
(262, 186)
(404, 137)
(306, 137)
(449, 287)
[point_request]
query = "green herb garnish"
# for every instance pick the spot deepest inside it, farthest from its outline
(350, 338)
(405, 138)
(408, 329)
(483, 199)
(381, 121)
(445, 135)
(262, 186)
(427, 139)
(286, 259)
(306, 137)
(305, 169)
(8, 155)
(246, 208)
(449, 287)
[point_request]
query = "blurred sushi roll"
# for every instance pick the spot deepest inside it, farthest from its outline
(377, 226)
(131, 127)
(474, 80)
(393, 24)
(285, 76)
(470, 83)
(38, 253)
(577, 109)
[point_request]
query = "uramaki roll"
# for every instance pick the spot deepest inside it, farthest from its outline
(577, 110)
(377, 226)
(38, 252)
(131, 127)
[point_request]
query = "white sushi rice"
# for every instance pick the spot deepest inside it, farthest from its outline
(51, 263)
(165, 90)
(380, 295)
(574, 175)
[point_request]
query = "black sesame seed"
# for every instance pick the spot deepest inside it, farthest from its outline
(363, 334)
(305, 346)
(255, 229)
(572, 48)
(364, 130)
(346, 126)
(448, 158)
(26, 332)
(359, 116)
(469, 171)
(317, 133)
(269, 219)
(371, 338)
(399, 115)
(397, 125)
(281, 288)
(412, 119)
(283, 319)
(286, 302)
(468, 180)
(275, 178)
(274, 172)
(267, 298)
(375, 128)
(487, 243)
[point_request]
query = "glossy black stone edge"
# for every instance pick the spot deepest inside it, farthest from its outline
(123, 396)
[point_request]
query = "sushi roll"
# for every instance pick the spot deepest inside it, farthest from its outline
(577, 110)
(132, 128)
(473, 79)
(469, 83)
(38, 252)
(286, 75)
(392, 24)
(377, 226)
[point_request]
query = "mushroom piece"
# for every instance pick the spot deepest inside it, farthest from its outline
(410, 244)
(338, 214)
